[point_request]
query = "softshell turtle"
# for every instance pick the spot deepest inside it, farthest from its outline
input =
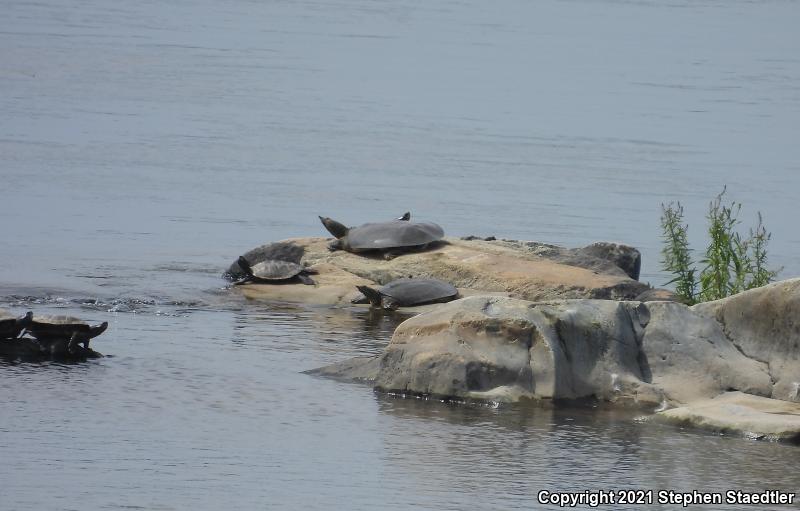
(53, 329)
(393, 237)
(278, 251)
(11, 326)
(407, 293)
(274, 271)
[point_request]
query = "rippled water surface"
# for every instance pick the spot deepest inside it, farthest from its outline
(143, 146)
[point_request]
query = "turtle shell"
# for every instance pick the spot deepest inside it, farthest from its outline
(409, 292)
(280, 250)
(276, 270)
(43, 327)
(395, 234)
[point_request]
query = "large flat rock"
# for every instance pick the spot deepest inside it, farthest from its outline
(499, 348)
(736, 413)
(526, 270)
(656, 355)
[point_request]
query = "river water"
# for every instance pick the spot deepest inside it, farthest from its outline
(145, 145)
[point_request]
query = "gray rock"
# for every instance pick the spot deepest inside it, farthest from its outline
(764, 323)
(735, 413)
(358, 369)
(658, 295)
(652, 354)
(645, 353)
(624, 256)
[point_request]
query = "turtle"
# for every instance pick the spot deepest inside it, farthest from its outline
(280, 251)
(274, 271)
(393, 238)
(11, 326)
(407, 292)
(56, 329)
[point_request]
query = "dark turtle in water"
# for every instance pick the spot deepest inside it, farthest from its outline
(273, 271)
(11, 326)
(407, 293)
(394, 237)
(56, 329)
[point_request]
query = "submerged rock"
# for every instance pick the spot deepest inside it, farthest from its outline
(474, 266)
(736, 413)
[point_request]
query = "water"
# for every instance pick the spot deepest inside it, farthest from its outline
(144, 146)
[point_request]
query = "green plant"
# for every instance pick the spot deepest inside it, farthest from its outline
(676, 254)
(731, 263)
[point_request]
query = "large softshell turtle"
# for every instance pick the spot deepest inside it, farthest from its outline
(407, 293)
(11, 326)
(274, 272)
(394, 237)
(53, 329)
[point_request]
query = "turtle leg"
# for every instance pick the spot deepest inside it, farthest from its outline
(73, 343)
(391, 254)
(406, 216)
(23, 323)
(305, 279)
(334, 245)
(390, 304)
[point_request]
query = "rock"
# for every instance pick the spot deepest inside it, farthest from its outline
(740, 414)
(652, 354)
(495, 267)
(501, 348)
(358, 369)
(690, 358)
(624, 256)
(659, 295)
(764, 323)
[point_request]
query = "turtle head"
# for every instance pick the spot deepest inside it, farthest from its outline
(245, 266)
(334, 227)
(97, 330)
(406, 216)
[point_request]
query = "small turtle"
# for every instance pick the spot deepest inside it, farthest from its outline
(280, 251)
(11, 326)
(394, 237)
(407, 293)
(55, 329)
(274, 271)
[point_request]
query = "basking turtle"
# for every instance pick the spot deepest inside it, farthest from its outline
(394, 237)
(278, 251)
(11, 326)
(407, 293)
(274, 271)
(53, 329)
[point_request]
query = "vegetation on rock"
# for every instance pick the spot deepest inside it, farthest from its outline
(732, 262)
